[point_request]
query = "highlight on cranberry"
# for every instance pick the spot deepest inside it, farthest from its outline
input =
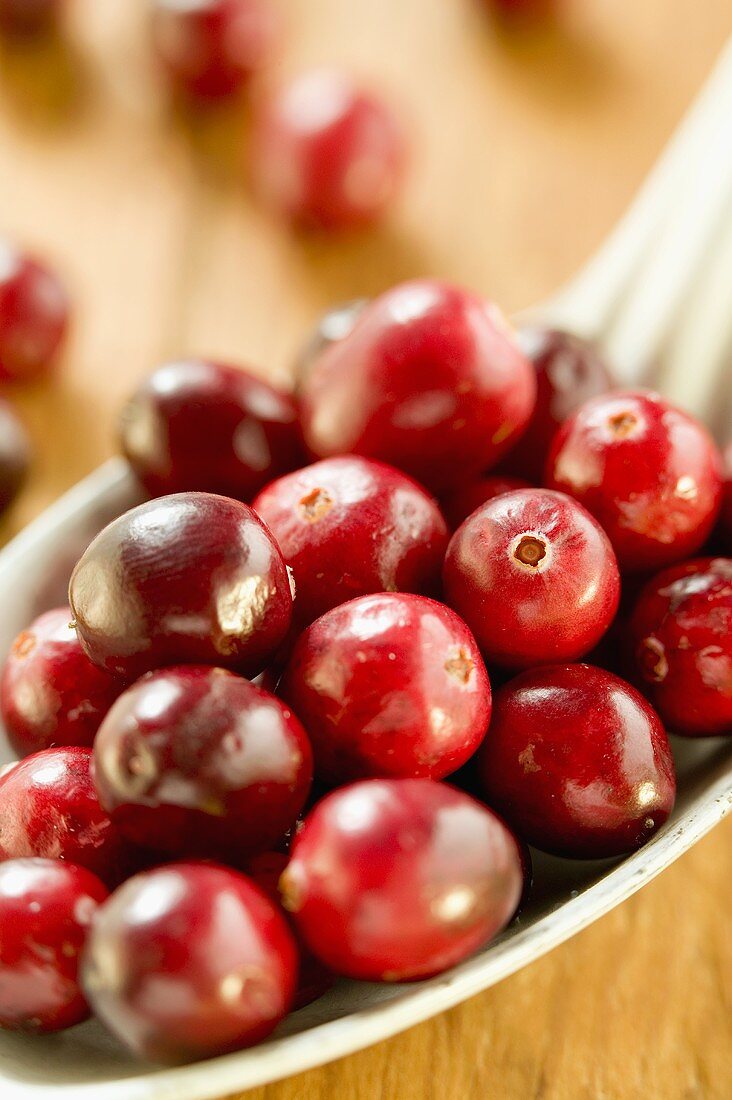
(327, 154)
(34, 315)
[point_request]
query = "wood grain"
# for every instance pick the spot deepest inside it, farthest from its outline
(525, 151)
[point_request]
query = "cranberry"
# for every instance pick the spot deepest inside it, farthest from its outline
(186, 579)
(521, 10)
(398, 879)
(45, 911)
(51, 693)
(681, 643)
(466, 499)
(726, 513)
(196, 761)
(49, 808)
(189, 961)
(211, 48)
(648, 472)
(34, 314)
(430, 379)
(349, 526)
(534, 577)
(15, 455)
(314, 978)
(332, 326)
(386, 685)
(209, 427)
(28, 17)
(569, 371)
(578, 762)
(327, 153)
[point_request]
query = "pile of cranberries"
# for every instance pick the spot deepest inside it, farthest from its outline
(317, 597)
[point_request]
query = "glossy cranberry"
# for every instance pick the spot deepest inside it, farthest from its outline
(198, 425)
(398, 879)
(430, 379)
(389, 685)
(34, 315)
(327, 153)
(191, 578)
(28, 17)
(50, 692)
(726, 513)
(211, 48)
(465, 499)
(534, 576)
(681, 646)
(648, 472)
(46, 908)
(314, 978)
(49, 808)
(349, 526)
(195, 761)
(15, 455)
(189, 961)
(331, 327)
(578, 762)
(569, 371)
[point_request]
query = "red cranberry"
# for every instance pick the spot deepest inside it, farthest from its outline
(28, 17)
(34, 314)
(186, 579)
(398, 879)
(332, 326)
(430, 379)
(569, 371)
(189, 961)
(648, 472)
(45, 911)
(534, 577)
(197, 425)
(681, 645)
(49, 808)
(15, 454)
(327, 153)
(726, 514)
(520, 10)
(51, 693)
(578, 762)
(466, 499)
(349, 526)
(314, 978)
(389, 685)
(196, 761)
(211, 48)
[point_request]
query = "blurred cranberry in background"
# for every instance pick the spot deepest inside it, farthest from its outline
(34, 314)
(209, 427)
(15, 455)
(211, 48)
(569, 371)
(461, 503)
(331, 327)
(327, 153)
(523, 11)
(28, 17)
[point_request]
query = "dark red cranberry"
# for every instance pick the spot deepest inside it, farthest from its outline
(198, 425)
(649, 473)
(314, 977)
(210, 49)
(28, 17)
(726, 513)
(465, 499)
(186, 579)
(15, 455)
(332, 326)
(389, 685)
(349, 526)
(327, 153)
(34, 315)
(51, 693)
(189, 961)
(49, 808)
(680, 643)
(46, 908)
(535, 578)
(397, 879)
(521, 11)
(195, 761)
(430, 378)
(578, 762)
(569, 371)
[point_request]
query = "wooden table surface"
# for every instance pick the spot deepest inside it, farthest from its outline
(525, 152)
